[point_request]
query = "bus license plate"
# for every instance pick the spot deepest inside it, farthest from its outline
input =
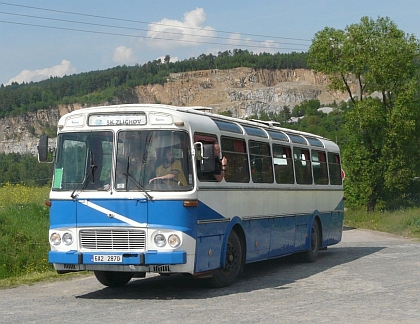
(107, 258)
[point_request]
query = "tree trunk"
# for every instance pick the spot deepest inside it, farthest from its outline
(371, 204)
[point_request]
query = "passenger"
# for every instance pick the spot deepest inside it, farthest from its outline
(170, 169)
(219, 167)
(219, 164)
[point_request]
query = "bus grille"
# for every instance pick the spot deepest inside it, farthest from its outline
(112, 239)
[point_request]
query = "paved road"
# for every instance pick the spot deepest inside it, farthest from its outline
(368, 278)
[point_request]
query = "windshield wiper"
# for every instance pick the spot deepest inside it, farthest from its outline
(128, 176)
(90, 175)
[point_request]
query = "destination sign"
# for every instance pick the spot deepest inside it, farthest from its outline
(117, 120)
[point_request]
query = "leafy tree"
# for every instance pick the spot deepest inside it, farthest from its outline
(24, 169)
(377, 56)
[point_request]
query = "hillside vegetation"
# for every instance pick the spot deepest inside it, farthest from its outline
(116, 85)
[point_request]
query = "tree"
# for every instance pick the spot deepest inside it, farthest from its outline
(377, 57)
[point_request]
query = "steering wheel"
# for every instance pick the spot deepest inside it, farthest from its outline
(165, 183)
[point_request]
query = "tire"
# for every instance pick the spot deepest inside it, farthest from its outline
(227, 276)
(312, 254)
(113, 278)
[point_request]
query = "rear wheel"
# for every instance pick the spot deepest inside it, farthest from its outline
(312, 253)
(227, 276)
(113, 278)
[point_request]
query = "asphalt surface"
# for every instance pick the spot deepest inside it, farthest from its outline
(369, 277)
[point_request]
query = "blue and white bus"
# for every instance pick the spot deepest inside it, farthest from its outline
(145, 189)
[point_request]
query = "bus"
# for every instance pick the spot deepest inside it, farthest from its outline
(150, 188)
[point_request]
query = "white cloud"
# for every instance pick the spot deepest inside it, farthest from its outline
(267, 46)
(124, 55)
(169, 33)
(65, 68)
(172, 59)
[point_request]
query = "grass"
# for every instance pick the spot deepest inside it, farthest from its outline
(24, 226)
(404, 222)
(24, 232)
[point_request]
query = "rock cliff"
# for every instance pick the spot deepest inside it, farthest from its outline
(244, 91)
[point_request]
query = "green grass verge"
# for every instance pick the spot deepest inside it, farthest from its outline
(404, 222)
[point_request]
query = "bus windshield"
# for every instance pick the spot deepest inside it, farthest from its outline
(145, 160)
(156, 160)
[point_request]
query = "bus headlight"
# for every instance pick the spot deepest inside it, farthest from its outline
(67, 238)
(160, 240)
(55, 239)
(174, 241)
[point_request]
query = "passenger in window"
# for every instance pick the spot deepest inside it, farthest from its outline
(170, 169)
(219, 167)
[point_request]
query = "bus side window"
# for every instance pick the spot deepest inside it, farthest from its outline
(205, 139)
(320, 168)
(237, 169)
(283, 164)
(261, 166)
(334, 168)
(302, 166)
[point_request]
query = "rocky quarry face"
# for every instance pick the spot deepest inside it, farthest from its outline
(243, 91)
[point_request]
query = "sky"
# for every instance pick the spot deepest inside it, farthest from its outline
(45, 38)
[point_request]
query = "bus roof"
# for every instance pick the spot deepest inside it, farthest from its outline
(196, 111)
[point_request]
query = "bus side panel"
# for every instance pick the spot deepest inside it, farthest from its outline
(303, 223)
(211, 231)
(337, 232)
(257, 232)
(210, 238)
(282, 236)
(332, 227)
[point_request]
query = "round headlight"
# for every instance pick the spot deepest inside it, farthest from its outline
(160, 240)
(174, 240)
(67, 238)
(55, 239)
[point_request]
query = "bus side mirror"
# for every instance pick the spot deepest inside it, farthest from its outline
(43, 148)
(206, 158)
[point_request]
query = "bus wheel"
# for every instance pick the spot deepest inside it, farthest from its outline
(312, 253)
(113, 278)
(227, 276)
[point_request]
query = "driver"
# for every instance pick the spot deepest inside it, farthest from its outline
(170, 169)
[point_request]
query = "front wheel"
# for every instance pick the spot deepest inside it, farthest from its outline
(233, 263)
(113, 278)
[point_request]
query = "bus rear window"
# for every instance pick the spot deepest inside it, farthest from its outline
(334, 168)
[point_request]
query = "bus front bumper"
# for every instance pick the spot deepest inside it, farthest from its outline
(121, 258)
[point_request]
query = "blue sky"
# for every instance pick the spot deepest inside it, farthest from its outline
(54, 38)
